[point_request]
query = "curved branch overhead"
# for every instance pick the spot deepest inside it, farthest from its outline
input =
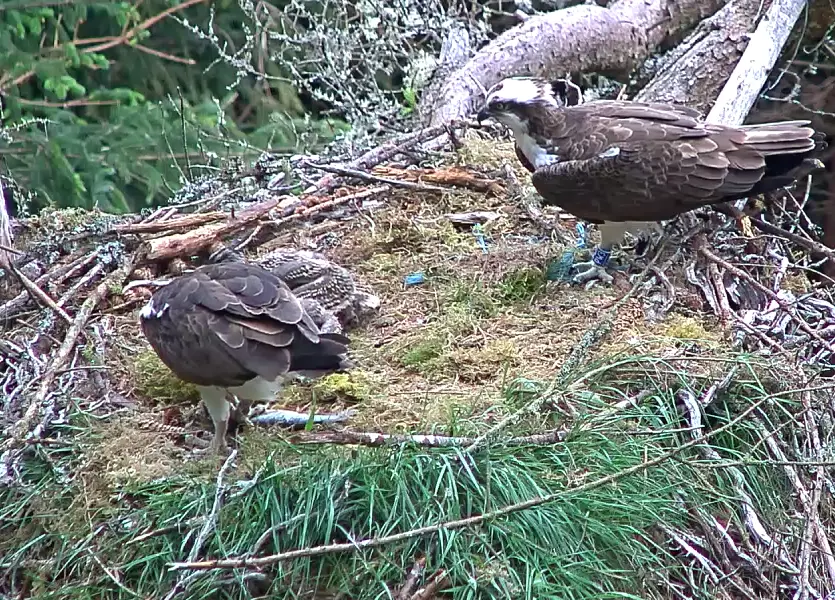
(570, 40)
(747, 79)
(696, 70)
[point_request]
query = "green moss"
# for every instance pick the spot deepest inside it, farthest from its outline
(686, 328)
(354, 386)
(425, 356)
(384, 263)
(521, 286)
(88, 351)
(64, 219)
(59, 223)
(474, 298)
(157, 383)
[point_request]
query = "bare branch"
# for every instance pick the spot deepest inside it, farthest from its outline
(742, 89)
(567, 40)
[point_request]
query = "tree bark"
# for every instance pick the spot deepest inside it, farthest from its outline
(717, 68)
(455, 52)
(613, 41)
(695, 71)
(749, 75)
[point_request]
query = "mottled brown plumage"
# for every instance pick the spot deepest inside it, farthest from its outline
(619, 161)
(668, 163)
(662, 159)
(236, 327)
(327, 289)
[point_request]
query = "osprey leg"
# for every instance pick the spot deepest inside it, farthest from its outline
(596, 269)
(611, 233)
(215, 400)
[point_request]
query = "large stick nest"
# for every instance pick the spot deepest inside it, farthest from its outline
(726, 303)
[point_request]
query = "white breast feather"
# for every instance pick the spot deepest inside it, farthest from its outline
(149, 311)
(258, 389)
(536, 154)
(612, 232)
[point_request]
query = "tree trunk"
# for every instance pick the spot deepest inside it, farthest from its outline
(612, 41)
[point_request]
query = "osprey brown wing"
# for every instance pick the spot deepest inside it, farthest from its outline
(627, 167)
(584, 131)
(670, 114)
(226, 323)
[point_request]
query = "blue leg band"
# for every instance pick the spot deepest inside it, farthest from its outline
(601, 256)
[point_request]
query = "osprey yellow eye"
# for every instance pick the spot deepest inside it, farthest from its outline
(500, 106)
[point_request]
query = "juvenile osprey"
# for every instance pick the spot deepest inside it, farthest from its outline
(627, 165)
(327, 289)
(236, 328)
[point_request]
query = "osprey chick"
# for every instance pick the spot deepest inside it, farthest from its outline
(327, 289)
(236, 328)
(627, 165)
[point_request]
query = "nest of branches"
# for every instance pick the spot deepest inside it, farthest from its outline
(755, 274)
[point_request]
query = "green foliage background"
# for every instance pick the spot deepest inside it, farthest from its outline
(113, 104)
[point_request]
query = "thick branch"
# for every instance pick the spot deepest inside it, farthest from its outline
(182, 245)
(184, 223)
(748, 78)
(580, 38)
(695, 71)
(718, 67)
(192, 242)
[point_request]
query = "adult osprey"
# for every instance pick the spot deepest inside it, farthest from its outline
(237, 328)
(627, 165)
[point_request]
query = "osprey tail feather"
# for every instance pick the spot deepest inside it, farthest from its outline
(787, 148)
(328, 355)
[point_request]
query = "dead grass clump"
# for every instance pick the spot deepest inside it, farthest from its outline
(126, 452)
(399, 231)
(119, 454)
(481, 364)
(384, 264)
(470, 296)
(489, 153)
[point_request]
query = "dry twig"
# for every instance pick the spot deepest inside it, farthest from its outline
(421, 187)
(429, 441)
(41, 296)
(209, 524)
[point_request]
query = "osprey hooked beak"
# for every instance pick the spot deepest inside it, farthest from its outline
(510, 94)
(483, 115)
